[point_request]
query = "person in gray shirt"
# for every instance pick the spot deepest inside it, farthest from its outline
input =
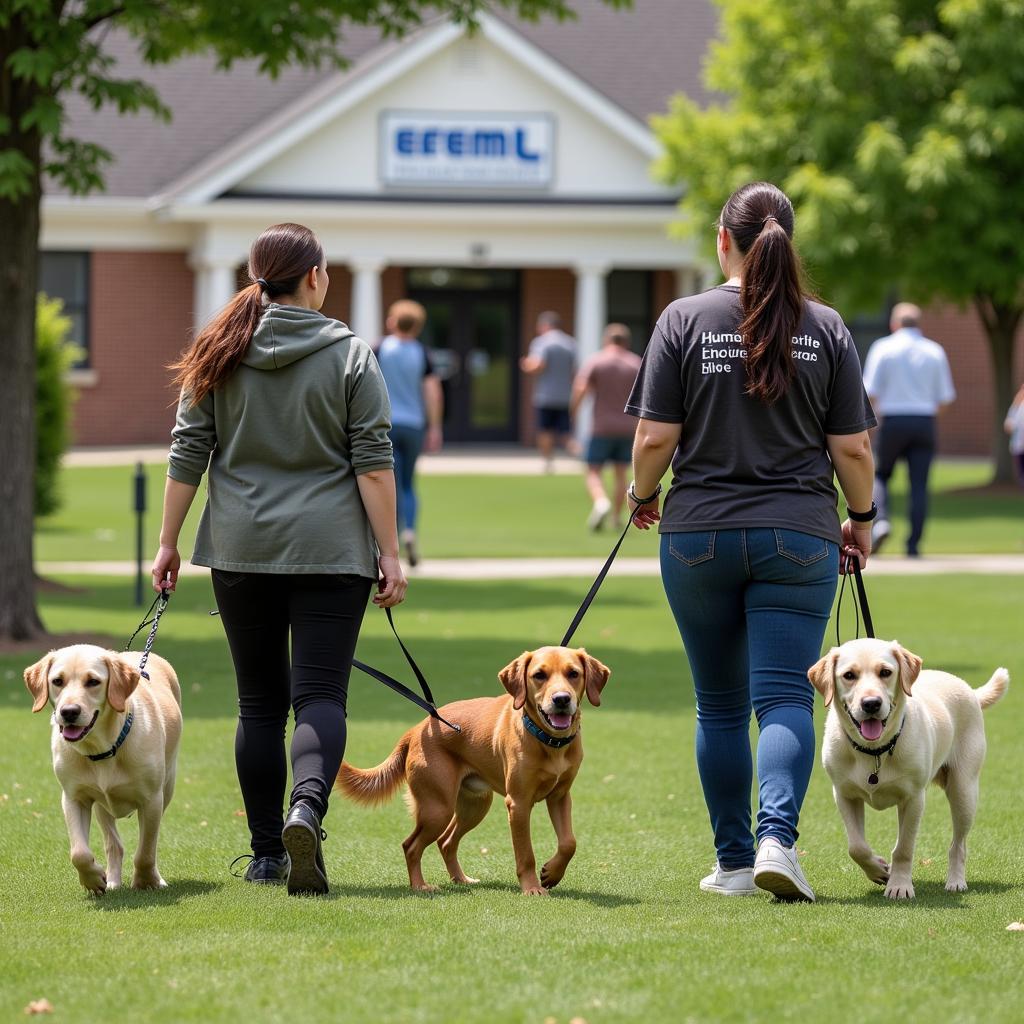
(286, 412)
(552, 364)
(753, 392)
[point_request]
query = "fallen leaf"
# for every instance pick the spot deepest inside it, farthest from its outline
(239, 813)
(202, 824)
(1015, 926)
(927, 860)
(608, 778)
(39, 1006)
(483, 849)
(801, 853)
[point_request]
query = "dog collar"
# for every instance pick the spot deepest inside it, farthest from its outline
(545, 737)
(875, 752)
(123, 735)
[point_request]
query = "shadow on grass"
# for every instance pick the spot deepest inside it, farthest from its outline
(449, 890)
(126, 898)
(930, 895)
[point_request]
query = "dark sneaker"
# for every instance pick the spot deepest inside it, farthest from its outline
(263, 870)
(301, 837)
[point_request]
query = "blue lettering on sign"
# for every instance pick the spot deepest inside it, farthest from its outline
(457, 142)
(521, 150)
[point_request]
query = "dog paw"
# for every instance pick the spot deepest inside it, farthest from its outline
(534, 890)
(94, 882)
(956, 885)
(425, 888)
(877, 869)
(465, 880)
(549, 879)
(148, 881)
(899, 890)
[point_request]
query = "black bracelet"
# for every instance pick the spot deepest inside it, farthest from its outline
(643, 501)
(862, 517)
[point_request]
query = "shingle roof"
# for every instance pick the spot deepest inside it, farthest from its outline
(637, 58)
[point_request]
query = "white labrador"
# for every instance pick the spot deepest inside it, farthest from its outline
(93, 693)
(891, 730)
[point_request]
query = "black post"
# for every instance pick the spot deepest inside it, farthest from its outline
(140, 508)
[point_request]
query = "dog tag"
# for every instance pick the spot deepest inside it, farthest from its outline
(873, 779)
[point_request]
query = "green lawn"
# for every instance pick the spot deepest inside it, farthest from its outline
(626, 937)
(491, 516)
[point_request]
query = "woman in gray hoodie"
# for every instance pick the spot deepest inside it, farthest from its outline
(288, 413)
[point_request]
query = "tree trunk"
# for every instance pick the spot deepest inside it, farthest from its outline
(1001, 322)
(19, 263)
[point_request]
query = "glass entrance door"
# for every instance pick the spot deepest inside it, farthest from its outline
(472, 336)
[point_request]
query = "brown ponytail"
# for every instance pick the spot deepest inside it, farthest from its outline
(759, 217)
(278, 260)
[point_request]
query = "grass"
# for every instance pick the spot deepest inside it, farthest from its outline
(627, 937)
(481, 516)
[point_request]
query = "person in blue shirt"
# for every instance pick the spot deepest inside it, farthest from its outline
(417, 407)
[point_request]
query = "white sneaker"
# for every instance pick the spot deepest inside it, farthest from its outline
(738, 882)
(599, 513)
(777, 870)
(409, 543)
(880, 530)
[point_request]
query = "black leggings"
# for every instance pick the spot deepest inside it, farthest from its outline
(323, 615)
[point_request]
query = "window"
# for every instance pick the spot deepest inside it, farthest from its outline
(65, 276)
(628, 295)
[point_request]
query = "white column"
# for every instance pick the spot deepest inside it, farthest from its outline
(591, 319)
(688, 281)
(367, 320)
(215, 286)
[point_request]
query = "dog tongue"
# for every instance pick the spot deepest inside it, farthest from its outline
(560, 721)
(871, 728)
(73, 732)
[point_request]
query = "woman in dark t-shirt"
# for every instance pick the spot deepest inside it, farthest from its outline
(753, 392)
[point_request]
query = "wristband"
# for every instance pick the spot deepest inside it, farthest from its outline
(862, 517)
(643, 501)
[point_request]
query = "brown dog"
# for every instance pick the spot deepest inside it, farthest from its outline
(452, 775)
(103, 759)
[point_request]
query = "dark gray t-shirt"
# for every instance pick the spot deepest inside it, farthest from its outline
(741, 463)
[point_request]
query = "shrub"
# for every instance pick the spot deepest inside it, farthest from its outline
(54, 397)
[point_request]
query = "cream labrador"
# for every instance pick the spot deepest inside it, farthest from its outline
(114, 743)
(891, 730)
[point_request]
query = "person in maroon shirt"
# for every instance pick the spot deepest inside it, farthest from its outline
(608, 377)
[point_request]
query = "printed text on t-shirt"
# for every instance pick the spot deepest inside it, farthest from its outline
(717, 348)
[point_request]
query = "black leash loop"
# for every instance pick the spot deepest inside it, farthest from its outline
(861, 607)
(596, 586)
(162, 599)
(426, 702)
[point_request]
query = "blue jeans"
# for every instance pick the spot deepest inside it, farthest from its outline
(407, 443)
(752, 607)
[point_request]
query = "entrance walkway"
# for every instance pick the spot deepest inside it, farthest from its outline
(512, 460)
(552, 568)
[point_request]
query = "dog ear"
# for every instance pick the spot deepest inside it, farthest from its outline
(910, 666)
(513, 678)
(121, 682)
(38, 682)
(822, 675)
(596, 676)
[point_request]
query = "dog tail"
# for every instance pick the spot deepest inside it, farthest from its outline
(994, 689)
(374, 785)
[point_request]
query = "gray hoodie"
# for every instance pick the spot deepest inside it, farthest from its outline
(284, 439)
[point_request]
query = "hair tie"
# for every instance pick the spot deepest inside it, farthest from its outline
(771, 216)
(262, 283)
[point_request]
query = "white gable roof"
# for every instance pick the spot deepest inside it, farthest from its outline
(328, 144)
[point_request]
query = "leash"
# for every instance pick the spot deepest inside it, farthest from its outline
(426, 702)
(596, 585)
(861, 607)
(162, 599)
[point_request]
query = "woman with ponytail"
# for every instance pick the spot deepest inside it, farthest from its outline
(287, 412)
(753, 392)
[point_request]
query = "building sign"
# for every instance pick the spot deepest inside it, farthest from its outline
(496, 150)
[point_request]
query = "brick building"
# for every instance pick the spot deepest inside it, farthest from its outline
(489, 176)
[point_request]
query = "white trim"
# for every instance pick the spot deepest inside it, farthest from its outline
(378, 69)
(544, 66)
(300, 120)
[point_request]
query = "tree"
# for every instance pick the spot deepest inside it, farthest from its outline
(50, 49)
(897, 128)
